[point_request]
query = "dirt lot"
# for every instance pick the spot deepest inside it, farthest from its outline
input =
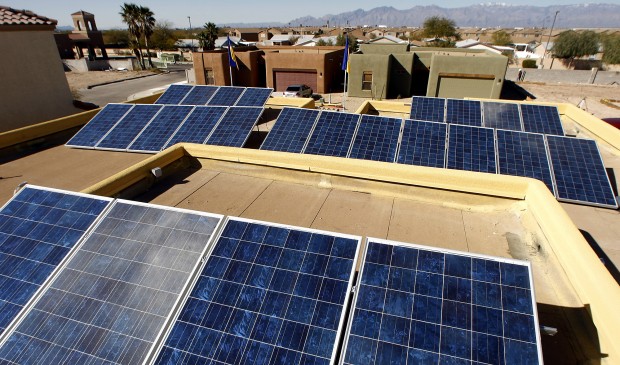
(81, 80)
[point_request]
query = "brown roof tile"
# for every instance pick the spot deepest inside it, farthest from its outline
(10, 16)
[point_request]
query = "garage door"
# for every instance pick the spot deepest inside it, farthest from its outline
(285, 78)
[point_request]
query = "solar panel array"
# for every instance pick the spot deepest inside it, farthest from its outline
(511, 116)
(443, 145)
(143, 283)
(215, 95)
(152, 128)
(416, 305)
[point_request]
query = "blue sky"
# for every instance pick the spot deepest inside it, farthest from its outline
(229, 11)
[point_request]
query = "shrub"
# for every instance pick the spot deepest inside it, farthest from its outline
(529, 64)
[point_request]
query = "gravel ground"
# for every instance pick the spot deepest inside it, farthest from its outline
(81, 80)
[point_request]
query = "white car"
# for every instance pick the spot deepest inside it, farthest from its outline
(300, 91)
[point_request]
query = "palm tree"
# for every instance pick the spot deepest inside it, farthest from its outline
(146, 22)
(130, 15)
(206, 38)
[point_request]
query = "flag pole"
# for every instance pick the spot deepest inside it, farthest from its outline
(344, 97)
(345, 68)
(230, 70)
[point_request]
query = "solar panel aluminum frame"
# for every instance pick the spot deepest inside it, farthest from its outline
(166, 142)
(161, 107)
(316, 121)
(224, 115)
(196, 275)
(61, 265)
(358, 283)
(105, 134)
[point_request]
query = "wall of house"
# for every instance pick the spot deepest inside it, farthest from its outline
(401, 72)
(34, 87)
(214, 60)
(379, 65)
(374, 48)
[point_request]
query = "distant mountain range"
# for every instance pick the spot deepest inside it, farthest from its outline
(479, 15)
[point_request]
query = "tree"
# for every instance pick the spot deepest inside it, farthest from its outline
(501, 38)
(206, 38)
(611, 47)
(323, 42)
(570, 45)
(117, 37)
(146, 22)
(293, 39)
(130, 15)
(442, 30)
(163, 37)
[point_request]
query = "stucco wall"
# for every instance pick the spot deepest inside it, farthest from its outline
(379, 65)
(326, 66)
(33, 84)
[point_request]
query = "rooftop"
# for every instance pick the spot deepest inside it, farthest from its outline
(10, 16)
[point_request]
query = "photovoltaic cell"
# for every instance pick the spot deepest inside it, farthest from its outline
(268, 294)
(428, 109)
(129, 127)
(333, 134)
(464, 112)
(226, 96)
(502, 116)
(199, 95)
(471, 149)
(174, 94)
(417, 305)
(291, 130)
(580, 175)
(423, 144)
(101, 123)
(159, 130)
(524, 154)
(198, 125)
(235, 126)
(376, 139)
(38, 227)
(109, 303)
(254, 96)
(541, 119)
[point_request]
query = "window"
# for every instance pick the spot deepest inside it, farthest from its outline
(209, 78)
(367, 80)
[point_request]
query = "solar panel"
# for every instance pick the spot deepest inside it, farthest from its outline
(160, 129)
(471, 149)
(464, 112)
(38, 228)
(226, 96)
(174, 94)
(417, 305)
(199, 95)
(580, 175)
(541, 119)
(523, 154)
(333, 134)
(502, 116)
(119, 137)
(291, 130)
(428, 109)
(101, 123)
(254, 96)
(268, 294)
(376, 139)
(198, 125)
(423, 144)
(109, 303)
(235, 126)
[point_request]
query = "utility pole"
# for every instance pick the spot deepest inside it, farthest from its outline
(542, 62)
(189, 19)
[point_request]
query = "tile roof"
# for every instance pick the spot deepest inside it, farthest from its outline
(10, 16)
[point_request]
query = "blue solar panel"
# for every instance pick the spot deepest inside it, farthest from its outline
(471, 149)
(129, 127)
(254, 96)
(226, 96)
(199, 95)
(417, 305)
(198, 125)
(541, 119)
(267, 295)
(158, 132)
(428, 109)
(38, 228)
(580, 175)
(376, 139)
(109, 304)
(235, 126)
(333, 134)
(291, 130)
(101, 123)
(502, 116)
(464, 112)
(423, 144)
(174, 94)
(523, 154)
